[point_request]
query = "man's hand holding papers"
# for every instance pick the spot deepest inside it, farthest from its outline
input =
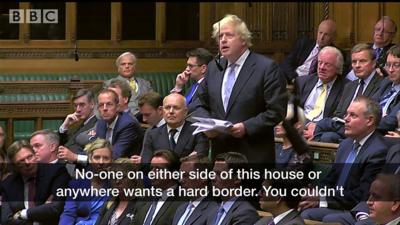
(211, 127)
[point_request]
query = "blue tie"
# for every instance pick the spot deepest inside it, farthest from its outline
(347, 166)
(386, 97)
(221, 211)
(377, 53)
(191, 93)
(151, 213)
(187, 213)
(230, 81)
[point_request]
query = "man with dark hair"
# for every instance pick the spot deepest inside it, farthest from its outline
(283, 208)
(29, 194)
(197, 62)
(161, 209)
(74, 132)
(232, 210)
(195, 210)
(359, 158)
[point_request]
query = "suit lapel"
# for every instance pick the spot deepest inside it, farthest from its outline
(198, 211)
(245, 73)
(308, 87)
(219, 78)
(333, 95)
(162, 210)
(289, 217)
(372, 86)
(165, 137)
(183, 138)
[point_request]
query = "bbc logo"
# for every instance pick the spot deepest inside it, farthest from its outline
(33, 16)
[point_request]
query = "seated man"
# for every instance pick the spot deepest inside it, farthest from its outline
(126, 64)
(197, 62)
(302, 60)
(161, 210)
(45, 145)
(319, 95)
(366, 149)
(177, 134)
(363, 63)
(120, 129)
(75, 130)
(384, 31)
(232, 210)
(29, 193)
(282, 208)
(195, 210)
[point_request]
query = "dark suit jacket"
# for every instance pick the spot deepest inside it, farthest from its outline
(164, 216)
(258, 100)
(300, 52)
(194, 101)
(199, 215)
(368, 163)
(49, 178)
(127, 135)
(389, 122)
(157, 139)
(372, 91)
(383, 56)
(392, 162)
(293, 218)
(73, 138)
(241, 213)
(126, 218)
(305, 84)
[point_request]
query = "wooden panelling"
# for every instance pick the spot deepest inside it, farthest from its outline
(343, 13)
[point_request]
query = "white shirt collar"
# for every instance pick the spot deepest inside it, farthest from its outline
(278, 218)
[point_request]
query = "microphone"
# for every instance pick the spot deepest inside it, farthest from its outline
(218, 61)
(76, 52)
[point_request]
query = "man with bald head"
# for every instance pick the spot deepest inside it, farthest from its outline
(126, 64)
(176, 133)
(302, 60)
(384, 31)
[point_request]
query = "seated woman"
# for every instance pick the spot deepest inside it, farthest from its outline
(84, 210)
(120, 210)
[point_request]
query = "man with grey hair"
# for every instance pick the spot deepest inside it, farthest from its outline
(319, 95)
(45, 145)
(245, 88)
(126, 64)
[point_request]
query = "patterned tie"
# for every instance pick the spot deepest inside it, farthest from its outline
(360, 87)
(133, 85)
(347, 166)
(150, 215)
(172, 142)
(31, 192)
(378, 52)
(187, 213)
(230, 81)
(221, 211)
(386, 97)
(314, 63)
(319, 104)
(109, 134)
(191, 93)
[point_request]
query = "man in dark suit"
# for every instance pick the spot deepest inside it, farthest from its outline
(45, 145)
(360, 213)
(384, 31)
(283, 208)
(160, 209)
(246, 89)
(233, 209)
(196, 68)
(363, 62)
(121, 129)
(359, 158)
(176, 134)
(300, 60)
(29, 193)
(319, 95)
(196, 209)
(74, 132)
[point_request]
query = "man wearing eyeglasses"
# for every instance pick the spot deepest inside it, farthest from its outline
(384, 31)
(196, 68)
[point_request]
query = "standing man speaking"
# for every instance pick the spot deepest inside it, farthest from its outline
(246, 89)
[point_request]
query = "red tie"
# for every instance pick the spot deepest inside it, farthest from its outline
(31, 192)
